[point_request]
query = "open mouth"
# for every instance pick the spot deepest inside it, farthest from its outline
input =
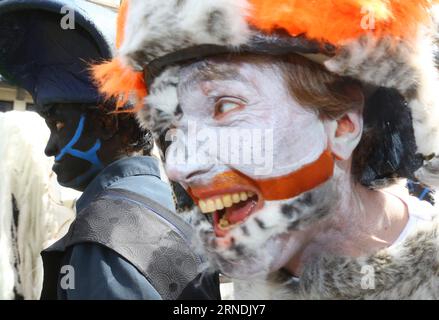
(228, 210)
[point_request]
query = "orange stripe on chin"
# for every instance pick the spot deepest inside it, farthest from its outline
(279, 188)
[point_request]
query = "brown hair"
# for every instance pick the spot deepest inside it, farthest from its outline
(135, 140)
(315, 87)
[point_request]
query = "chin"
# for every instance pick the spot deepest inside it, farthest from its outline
(71, 183)
(267, 236)
(61, 177)
(251, 263)
(62, 181)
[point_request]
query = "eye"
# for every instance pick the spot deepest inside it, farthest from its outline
(226, 105)
(59, 125)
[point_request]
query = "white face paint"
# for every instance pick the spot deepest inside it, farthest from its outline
(215, 96)
(270, 131)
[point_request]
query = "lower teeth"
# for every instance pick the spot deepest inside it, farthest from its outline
(223, 223)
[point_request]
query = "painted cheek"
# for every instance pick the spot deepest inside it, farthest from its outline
(282, 149)
(190, 157)
(285, 137)
(89, 155)
(65, 139)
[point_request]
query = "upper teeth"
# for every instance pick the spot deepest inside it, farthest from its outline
(224, 201)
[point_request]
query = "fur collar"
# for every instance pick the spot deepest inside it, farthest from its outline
(408, 270)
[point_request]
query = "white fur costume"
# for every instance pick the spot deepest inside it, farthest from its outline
(25, 173)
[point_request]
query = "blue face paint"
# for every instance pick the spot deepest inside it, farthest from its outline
(90, 156)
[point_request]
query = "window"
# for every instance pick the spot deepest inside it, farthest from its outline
(6, 106)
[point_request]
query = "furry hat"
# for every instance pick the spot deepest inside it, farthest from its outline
(386, 44)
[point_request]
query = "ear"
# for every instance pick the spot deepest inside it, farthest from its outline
(344, 134)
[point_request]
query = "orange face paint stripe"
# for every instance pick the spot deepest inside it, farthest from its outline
(224, 182)
(298, 182)
(280, 188)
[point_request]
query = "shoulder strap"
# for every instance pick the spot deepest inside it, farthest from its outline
(149, 236)
(171, 217)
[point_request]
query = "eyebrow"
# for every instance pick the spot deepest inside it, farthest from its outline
(207, 71)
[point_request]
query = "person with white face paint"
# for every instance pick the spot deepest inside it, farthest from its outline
(293, 139)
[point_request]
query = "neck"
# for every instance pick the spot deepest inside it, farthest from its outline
(363, 221)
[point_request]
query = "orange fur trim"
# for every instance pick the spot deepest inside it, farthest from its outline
(114, 79)
(336, 21)
(121, 20)
(118, 81)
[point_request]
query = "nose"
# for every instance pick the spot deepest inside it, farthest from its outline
(186, 174)
(186, 168)
(51, 149)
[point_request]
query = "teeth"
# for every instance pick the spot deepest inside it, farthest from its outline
(226, 201)
(210, 205)
(219, 204)
(203, 206)
(223, 223)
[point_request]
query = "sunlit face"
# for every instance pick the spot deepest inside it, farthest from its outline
(272, 138)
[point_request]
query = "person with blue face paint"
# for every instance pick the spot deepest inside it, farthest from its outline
(90, 156)
(126, 242)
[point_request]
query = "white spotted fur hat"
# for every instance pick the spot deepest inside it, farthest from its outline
(387, 44)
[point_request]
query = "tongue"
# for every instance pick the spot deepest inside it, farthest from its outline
(240, 211)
